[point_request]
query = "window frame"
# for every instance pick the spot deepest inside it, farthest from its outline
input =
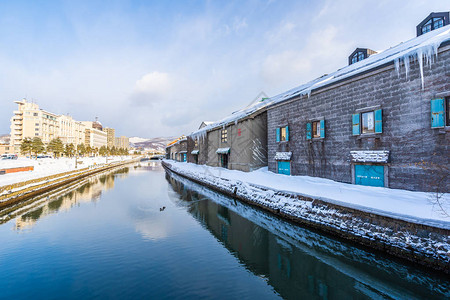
(366, 130)
(371, 109)
(283, 134)
(447, 111)
(315, 126)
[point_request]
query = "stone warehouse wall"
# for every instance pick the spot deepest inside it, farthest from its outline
(247, 141)
(415, 148)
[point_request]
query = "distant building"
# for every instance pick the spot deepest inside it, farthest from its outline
(94, 136)
(71, 131)
(122, 142)
(111, 135)
(5, 149)
(178, 149)
(30, 121)
(237, 142)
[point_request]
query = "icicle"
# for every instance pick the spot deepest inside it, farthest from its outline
(397, 66)
(406, 63)
(420, 59)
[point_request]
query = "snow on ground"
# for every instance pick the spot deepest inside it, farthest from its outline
(49, 166)
(410, 206)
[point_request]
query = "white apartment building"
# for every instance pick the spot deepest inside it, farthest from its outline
(30, 121)
(71, 131)
(94, 136)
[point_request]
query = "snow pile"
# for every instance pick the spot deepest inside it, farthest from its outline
(431, 244)
(49, 166)
(421, 48)
(380, 156)
(283, 155)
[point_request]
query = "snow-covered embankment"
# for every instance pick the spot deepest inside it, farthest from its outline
(402, 223)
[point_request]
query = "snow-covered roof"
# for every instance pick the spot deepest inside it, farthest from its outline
(424, 46)
(194, 152)
(223, 150)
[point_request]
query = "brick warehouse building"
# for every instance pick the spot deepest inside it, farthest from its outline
(376, 122)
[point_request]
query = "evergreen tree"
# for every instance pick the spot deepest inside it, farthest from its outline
(37, 146)
(81, 149)
(69, 150)
(103, 151)
(56, 147)
(89, 150)
(25, 146)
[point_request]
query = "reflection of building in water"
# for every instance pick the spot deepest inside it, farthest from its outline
(88, 192)
(298, 262)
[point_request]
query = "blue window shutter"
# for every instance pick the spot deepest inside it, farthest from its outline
(287, 133)
(355, 122)
(308, 131)
(437, 113)
(278, 134)
(322, 128)
(378, 121)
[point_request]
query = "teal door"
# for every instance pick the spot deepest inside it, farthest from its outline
(184, 157)
(284, 167)
(369, 175)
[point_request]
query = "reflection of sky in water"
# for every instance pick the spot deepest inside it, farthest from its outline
(109, 239)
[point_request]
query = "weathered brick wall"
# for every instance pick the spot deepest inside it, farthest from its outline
(407, 131)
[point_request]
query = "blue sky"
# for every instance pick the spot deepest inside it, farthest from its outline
(159, 68)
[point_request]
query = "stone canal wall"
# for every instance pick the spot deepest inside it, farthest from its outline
(14, 193)
(424, 245)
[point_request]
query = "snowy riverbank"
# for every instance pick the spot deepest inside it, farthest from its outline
(402, 223)
(49, 166)
(410, 206)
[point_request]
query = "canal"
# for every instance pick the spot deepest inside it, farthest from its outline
(140, 233)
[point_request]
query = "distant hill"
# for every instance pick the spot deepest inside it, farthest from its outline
(156, 144)
(4, 138)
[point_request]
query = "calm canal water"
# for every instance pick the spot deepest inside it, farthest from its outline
(109, 238)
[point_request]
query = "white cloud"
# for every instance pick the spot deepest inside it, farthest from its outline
(151, 87)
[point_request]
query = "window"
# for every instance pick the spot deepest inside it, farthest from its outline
(358, 56)
(36, 129)
(367, 122)
(315, 129)
(196, 143)
(438, 23)
(35, 114)
(426, 27)
(440, 112)
(36, 134)
(37, 124)
(224, 135)
(282, 134)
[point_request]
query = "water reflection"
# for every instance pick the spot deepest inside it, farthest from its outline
(88, 190)
(298, 262)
